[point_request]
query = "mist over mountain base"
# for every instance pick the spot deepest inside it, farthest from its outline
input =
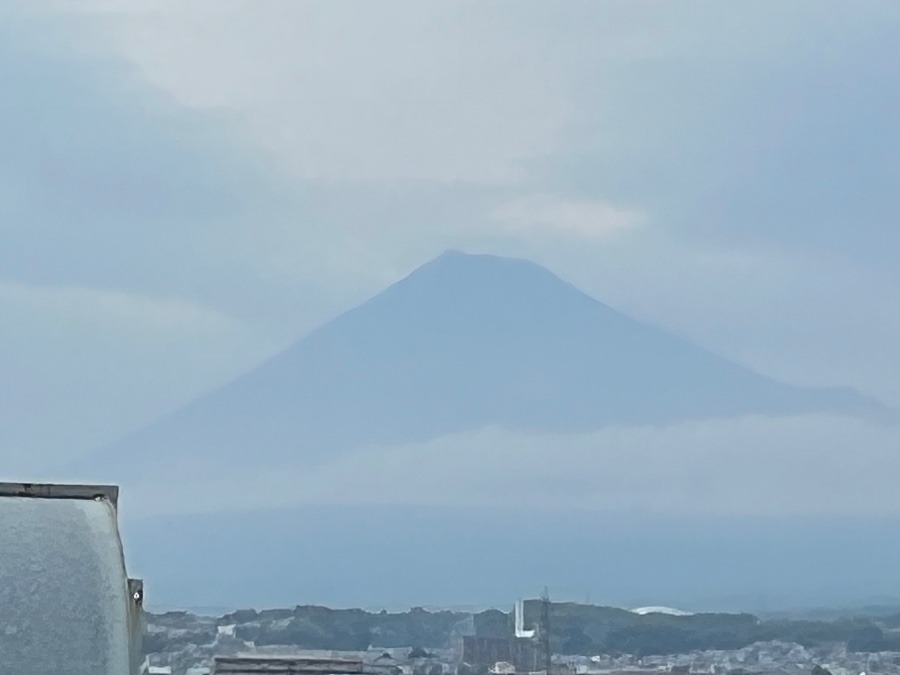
(398, 557)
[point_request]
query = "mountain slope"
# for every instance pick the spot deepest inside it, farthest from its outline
(464, 342)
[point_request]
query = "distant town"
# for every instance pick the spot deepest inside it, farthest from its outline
(534, 636)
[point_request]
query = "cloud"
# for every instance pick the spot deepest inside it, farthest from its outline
(83, 366)
(423, 92)
(752, 466)
(108, 183)
(548, 216)
(105, 310)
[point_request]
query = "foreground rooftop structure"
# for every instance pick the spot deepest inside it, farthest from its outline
(66, 603)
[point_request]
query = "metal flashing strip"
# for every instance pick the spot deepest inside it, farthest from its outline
(287, 665)
(109, 493)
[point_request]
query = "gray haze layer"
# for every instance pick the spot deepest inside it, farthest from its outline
(397, 557)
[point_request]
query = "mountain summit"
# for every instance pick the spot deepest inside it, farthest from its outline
(464, 342)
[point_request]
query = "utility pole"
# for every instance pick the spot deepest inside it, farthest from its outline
(545, 628)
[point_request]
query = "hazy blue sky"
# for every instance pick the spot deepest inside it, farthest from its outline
(188, 186)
